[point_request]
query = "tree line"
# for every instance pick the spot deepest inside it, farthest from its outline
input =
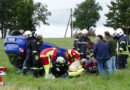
(26, 15)
(88, 13)
(21, 15)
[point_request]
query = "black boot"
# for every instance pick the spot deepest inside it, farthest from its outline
(35, 73)
(24, 71)
(41, 72)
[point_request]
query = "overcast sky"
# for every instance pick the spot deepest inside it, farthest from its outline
(59, 18)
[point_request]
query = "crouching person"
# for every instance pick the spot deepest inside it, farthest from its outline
(76, 69)
(71, 55)
(36, 44)
(59, 67)
(47, 57)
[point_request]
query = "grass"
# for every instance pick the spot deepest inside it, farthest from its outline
(16, 81)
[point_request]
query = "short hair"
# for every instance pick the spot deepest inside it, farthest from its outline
(107, 33)
(100, 37)
(90, 44)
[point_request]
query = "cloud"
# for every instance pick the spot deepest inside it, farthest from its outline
(58, 20)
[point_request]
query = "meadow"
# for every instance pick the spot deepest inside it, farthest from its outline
(16, 81)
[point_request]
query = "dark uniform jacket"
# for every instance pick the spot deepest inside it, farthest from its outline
(83, 46)
(59, 69)
(76, 46)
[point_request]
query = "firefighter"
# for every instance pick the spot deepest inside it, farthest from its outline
(122, 50)
(71, 55)
(59, 67)
(76, 68)
(47, 57)
(28, 58)
(79, 34)
(82, 43)
(36, 44)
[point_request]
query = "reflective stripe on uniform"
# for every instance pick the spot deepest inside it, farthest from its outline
(83, 42)
(69, 51)
(50, 53)
(34, 51)
(35, 68)
(122, 42)
(24, 67)
(121, 49)
(123, 52)
(36, 57)
(41, 68)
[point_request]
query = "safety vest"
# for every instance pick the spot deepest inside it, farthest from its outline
(75, 68)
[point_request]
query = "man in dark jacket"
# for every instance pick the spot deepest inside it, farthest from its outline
(28, 59)
(83, 44)
(78, 36)
(102, 54)
(36, 44)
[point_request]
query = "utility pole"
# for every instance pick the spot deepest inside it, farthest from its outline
(67, 26)
(71, 14)
(70, 22)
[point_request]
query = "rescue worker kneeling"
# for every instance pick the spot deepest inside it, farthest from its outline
(47, 57)
(76, 69)
(59, 67)
(36, 46)
(71, 55)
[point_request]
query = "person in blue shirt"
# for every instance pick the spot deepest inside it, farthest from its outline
(101, 54)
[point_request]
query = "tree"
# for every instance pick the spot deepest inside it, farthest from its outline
(118, 16)
(28, 15)
(6, 15)
(21, 15)
(86, 14)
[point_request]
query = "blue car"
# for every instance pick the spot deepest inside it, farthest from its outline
(15, 48)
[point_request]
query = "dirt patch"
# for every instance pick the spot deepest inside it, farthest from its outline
(84, 83)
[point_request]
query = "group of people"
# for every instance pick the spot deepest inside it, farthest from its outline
(111, 53)
(44, 63)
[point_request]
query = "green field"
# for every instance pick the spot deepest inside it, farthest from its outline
(16, 81)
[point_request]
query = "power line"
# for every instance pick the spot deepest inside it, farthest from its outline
(61, 10)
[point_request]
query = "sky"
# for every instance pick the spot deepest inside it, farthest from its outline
(59, 18)
(60, 10)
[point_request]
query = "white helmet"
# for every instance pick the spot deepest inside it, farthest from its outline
(79, 32)
(119, 31)
(85, 31)
(60, 60)
(113, 34)
(27, 34)
(38, 33)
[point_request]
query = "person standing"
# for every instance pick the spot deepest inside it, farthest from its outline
(28, 59)
(36, 44)
(111, 63)
(79, 34)
(122, 50)
(83, 44)
(102, 54)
